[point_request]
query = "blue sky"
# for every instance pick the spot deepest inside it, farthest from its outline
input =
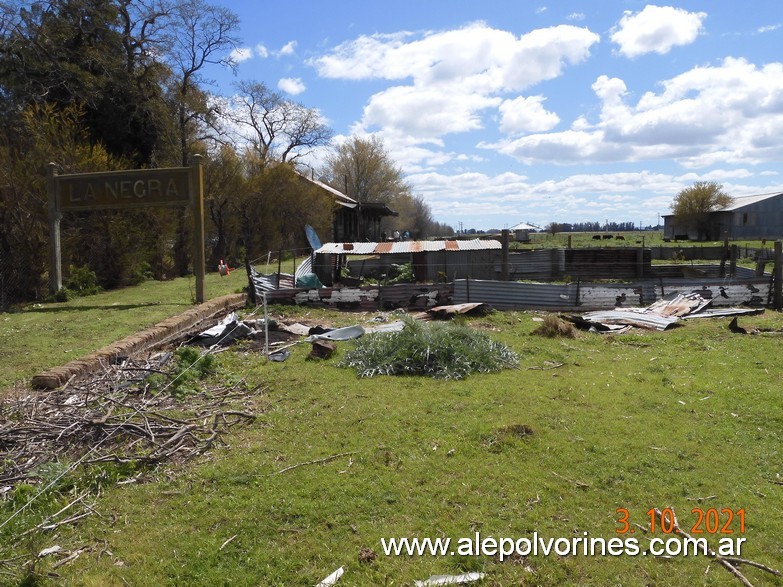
(500, 112)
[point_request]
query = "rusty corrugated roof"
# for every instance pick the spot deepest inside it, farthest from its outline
(408, 247)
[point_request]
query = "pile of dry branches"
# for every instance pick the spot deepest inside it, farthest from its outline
(113, 416)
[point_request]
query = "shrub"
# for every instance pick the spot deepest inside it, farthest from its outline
(82, 281)
(436, 349)
(554, 327)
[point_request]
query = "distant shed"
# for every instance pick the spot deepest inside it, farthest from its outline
(747, 217)
(454, 259)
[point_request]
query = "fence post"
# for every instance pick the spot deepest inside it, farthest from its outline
(504, 255)
(640, 263)
(733, 261)
(778, 275)
(55, 256)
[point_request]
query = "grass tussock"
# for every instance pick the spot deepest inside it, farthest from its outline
(442, 350)
(555, 327)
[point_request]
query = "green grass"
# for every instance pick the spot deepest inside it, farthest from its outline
(45, 335)
(631, 239)
(635, 421)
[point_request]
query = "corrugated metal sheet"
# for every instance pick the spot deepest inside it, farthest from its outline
(271, 282)
(304, 268)
(414, 295)
(511, 294)
(722, 292)
(616, 295)
(407, 247)
(536, 264)
(650, 321)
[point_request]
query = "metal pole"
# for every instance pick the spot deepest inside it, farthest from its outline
(55, 259)
(778, 275)
(197, 201)
(504, 255)
(266, 328)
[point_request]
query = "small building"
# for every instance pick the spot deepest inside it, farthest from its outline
(430, 260)
(522, 231)
(353, 220)
(747, 218)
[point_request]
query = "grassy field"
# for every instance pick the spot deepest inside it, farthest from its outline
(630, 239)
(45, 335)
(688, 418)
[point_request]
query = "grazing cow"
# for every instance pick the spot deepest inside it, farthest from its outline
(620, 237)
(596, 237)
(607, 236)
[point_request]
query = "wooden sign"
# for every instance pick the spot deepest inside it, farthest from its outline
(143, 188)
(124, 189)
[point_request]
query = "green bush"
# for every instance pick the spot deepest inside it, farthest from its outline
(189, 368)
(82, 281)
(400, 274)
(435, 349)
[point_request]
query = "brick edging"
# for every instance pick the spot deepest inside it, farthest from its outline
(156, 335)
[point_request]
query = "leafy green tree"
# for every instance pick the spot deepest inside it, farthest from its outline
(225, 188)
(692, 205)
(364, 170)
(94, 54)
(48, 134)
(281, 203)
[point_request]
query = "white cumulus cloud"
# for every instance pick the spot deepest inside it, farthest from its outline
(731, 113)
(526, 114)
(291, 85)
(288, 49)
(241, 54)
(449, 80)
(656, 29)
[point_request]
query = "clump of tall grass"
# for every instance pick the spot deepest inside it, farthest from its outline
(554, 327)
(442, 350)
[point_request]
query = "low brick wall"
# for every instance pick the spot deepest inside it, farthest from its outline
(149, 338)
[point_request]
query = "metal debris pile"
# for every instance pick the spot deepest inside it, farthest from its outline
(663, 314)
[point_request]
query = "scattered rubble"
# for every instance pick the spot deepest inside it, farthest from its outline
(663, 314)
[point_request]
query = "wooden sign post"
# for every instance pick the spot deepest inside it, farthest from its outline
(120, 190)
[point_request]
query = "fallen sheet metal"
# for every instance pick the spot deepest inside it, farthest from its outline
(678, 304)
(660, 315)
(338, 334)
(295, 328)
(467, 308)
(450, 579)
(618, 320)
(723, 312)
(395, 326)
(332, 579)
(224, 332)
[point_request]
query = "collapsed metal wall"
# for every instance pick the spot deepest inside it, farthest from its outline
(507, 295)
(372, 297)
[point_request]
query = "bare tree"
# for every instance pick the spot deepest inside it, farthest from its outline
(277, 129)
(204, 35)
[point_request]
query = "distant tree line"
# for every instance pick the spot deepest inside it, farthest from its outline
(591, 227)
(97, 85)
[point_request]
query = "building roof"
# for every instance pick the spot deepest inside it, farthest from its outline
(524, 226)
(393, 247)
(742, 201)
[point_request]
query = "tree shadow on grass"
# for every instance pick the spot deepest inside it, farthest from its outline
(46, 309)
